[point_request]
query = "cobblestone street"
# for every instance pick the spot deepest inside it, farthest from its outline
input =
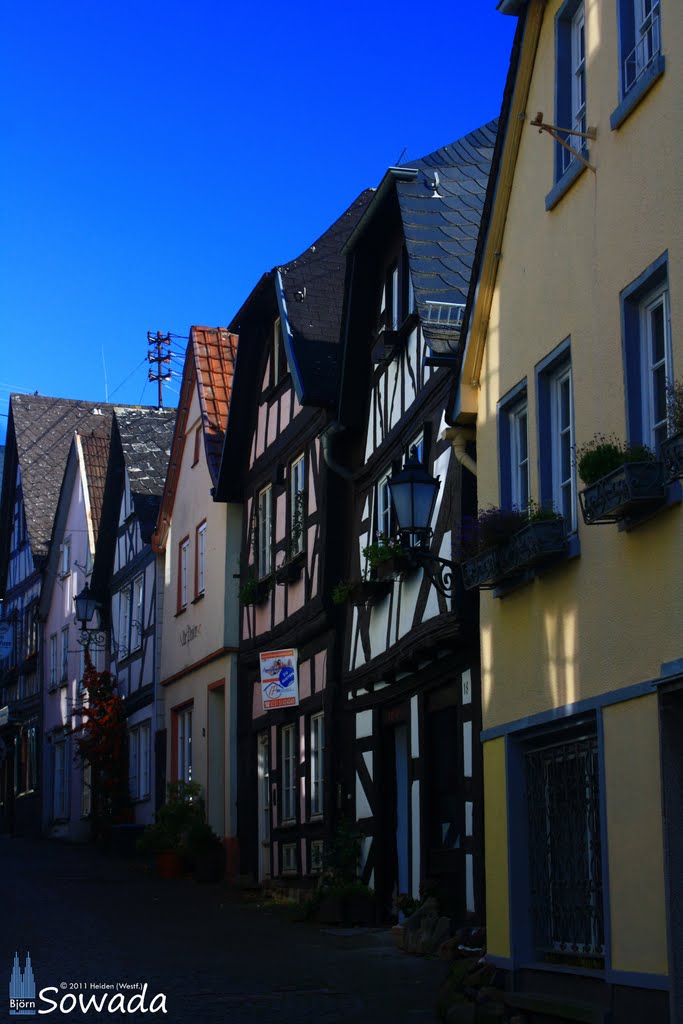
(87, 918)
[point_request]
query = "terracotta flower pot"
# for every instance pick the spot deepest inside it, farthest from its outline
(168, 864)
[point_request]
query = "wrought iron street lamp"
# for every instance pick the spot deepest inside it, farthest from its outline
(413, 494)
(86, 606)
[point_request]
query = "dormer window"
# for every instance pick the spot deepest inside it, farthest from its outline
(279, 359)
(65, 558)
(398, 298)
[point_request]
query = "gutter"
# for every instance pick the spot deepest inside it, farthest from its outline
(332, 430)
(459, 436)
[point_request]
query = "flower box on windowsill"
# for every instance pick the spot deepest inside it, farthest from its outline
(256, 592)
(629, 492)
(539, 542)
(291, 570)
(483, 570)
(390, 341)
(535, 544)
(400, 563)
(672, 455)
(369, 592)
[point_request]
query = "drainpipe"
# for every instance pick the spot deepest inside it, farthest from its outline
(330, 431)
(459, 436)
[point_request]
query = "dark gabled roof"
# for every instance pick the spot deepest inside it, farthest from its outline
(146, 436)
(440, 198)
(310, 293)
(95, 461)
(43, 429)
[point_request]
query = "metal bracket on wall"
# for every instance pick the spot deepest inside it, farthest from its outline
(553, 130)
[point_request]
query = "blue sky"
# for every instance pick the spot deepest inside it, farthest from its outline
(156, 158)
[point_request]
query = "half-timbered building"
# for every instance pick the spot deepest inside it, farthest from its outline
(292, 541)
(124, 581)
(410, 658)
(199, 542)
(66, 785)
(39, 434)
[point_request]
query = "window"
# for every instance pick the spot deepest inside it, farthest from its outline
(297, 483)
(197, 445)
(183, 744)
(65, 558)
(25, 763)
(570, 96)
(86, 791)
(648, 358)
(513, 445)
(264, 523)
(201, 559)
(53, 660)
(398, 297)
(183, 555)
(316, 856)
(279, 359)
(317, 763)
(59, 782)
(139, 754)
(288, 773)
(289, 865)
(124, 623)
(65, 654)
(138, 616)
(557, 476)
(640, 53)
(384, 524)
(519, 451)
(565, 857)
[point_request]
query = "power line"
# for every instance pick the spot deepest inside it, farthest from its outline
(127, 378)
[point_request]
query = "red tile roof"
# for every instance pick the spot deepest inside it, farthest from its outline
(215, 351)
(210, 363)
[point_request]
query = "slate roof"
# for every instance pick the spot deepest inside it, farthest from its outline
(146, 436)
(96, 459)
(313, 293)
(215, 351)
(44, 428)
(441, 199)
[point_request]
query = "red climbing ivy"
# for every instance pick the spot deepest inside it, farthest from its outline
(102, 743)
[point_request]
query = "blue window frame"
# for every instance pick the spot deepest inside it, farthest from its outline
(513, 448)
(557, 470)
(641, 61)
(570, 95)
(648, 362)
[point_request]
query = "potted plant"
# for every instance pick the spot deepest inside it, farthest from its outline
(205, 853)
(672, 447)
(541, 538)
(492, 528)
(622, 480)
(360, 592)
(255, 590)
(166, 838)
(386, 558)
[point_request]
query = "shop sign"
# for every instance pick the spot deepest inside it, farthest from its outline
(280, 678)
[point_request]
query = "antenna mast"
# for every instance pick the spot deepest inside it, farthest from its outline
(162, 355)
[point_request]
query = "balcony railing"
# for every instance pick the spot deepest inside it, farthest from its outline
(644, 52)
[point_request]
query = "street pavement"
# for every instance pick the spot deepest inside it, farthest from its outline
(88, 920)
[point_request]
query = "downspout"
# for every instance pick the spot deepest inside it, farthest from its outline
(459, 436)
(331, 431)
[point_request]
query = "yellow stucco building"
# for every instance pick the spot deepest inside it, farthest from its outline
(575, 330)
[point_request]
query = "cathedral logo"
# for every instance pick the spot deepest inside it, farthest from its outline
(22, 989)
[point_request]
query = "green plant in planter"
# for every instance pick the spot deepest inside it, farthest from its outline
(674, 407)
(253, 588)
(183, 810)
(493, 527)
(381, 550)
(342, 591)
(296, 533)
(602, 454)
(204, 851)
(542, 513)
